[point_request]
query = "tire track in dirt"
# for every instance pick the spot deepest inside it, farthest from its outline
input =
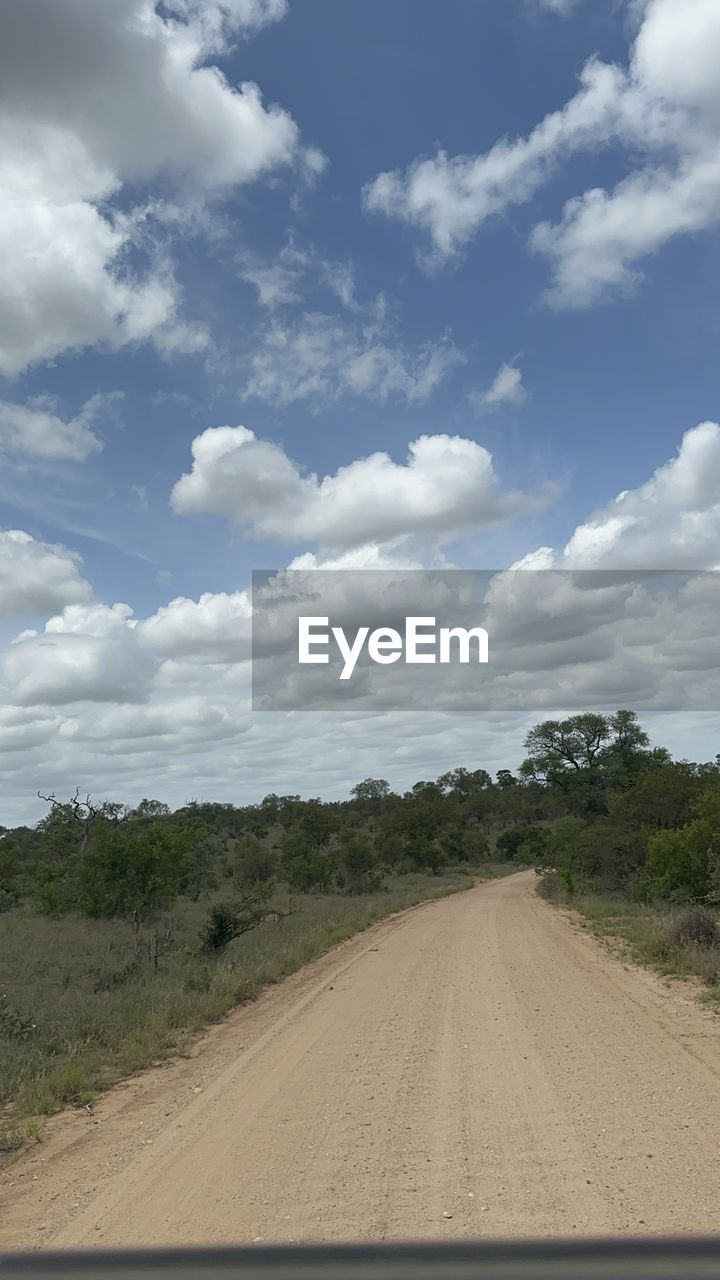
(477, 1067)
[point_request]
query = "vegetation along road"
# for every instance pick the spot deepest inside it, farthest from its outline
(474, 1067)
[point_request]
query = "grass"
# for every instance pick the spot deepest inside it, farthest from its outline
(646, 930)
(86, 1004)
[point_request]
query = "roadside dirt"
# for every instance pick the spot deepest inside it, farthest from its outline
(477, 1067)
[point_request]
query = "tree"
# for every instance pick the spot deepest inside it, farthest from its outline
(662, 798)
(505, 779)
(686, 863)
(474, 846)
(524, 843)
(134, 870)
(431, 858)
(316, 822)
(150, 809)
(628, 755)
(629, 737)
(359, 871)
(586, 754)
(463, 783)
(255, 863)
(74, 821)
(306, 870)
(420, 820)
(371, 790)
(558, 748)
(677, 863)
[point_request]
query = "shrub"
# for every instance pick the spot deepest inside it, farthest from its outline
(13, 1024)
(525, 842)
(677, 862)
(134, 869)
(255, 863)
(219, 929)
(228, 920)
(550, 886)
(359, 871)
(693, 926)
(309, 872)
(11, 1139)
(474, 846)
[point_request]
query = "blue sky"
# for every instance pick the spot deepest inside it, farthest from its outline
(182, 255)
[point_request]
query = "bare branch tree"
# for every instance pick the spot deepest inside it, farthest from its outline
(86, 814)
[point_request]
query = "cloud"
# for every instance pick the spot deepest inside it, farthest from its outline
(277, 281)
(321, 357)
(574, 638)
(670, 522)
(33, 430)
(562, 7)
(215, 628)
(601, 236)
(664, 108)
(35, 577)
(452, 197)
(446, 487)
(369, 555)
(160, 705)
(203, 743)
(216, 21)
(87, 653)
(77, 668)
(101, 98)
(505, 388)
(103, 654)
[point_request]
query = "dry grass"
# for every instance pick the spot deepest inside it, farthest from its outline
(653, 935)
(85, 1004)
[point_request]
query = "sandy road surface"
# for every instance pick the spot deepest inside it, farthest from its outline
(478, 1057)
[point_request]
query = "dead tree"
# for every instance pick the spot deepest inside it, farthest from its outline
(86, 814)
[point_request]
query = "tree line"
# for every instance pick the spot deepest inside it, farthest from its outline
(592, 800)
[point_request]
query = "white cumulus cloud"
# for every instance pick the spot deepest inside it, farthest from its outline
(215, 628)
(100, 97)
(87, 653)
(446, 487)
(36, 578)
(672, 521)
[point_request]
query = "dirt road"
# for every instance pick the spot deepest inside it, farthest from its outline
(477, 1067)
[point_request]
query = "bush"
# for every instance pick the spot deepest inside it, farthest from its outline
(219, 928)
(13, 1024)
(309, 872)
(254, 862)
(474, 846)
(693, 926)
(228, 920)
(677, 862)
(525, 842)
(550, 887)
(359, 871)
